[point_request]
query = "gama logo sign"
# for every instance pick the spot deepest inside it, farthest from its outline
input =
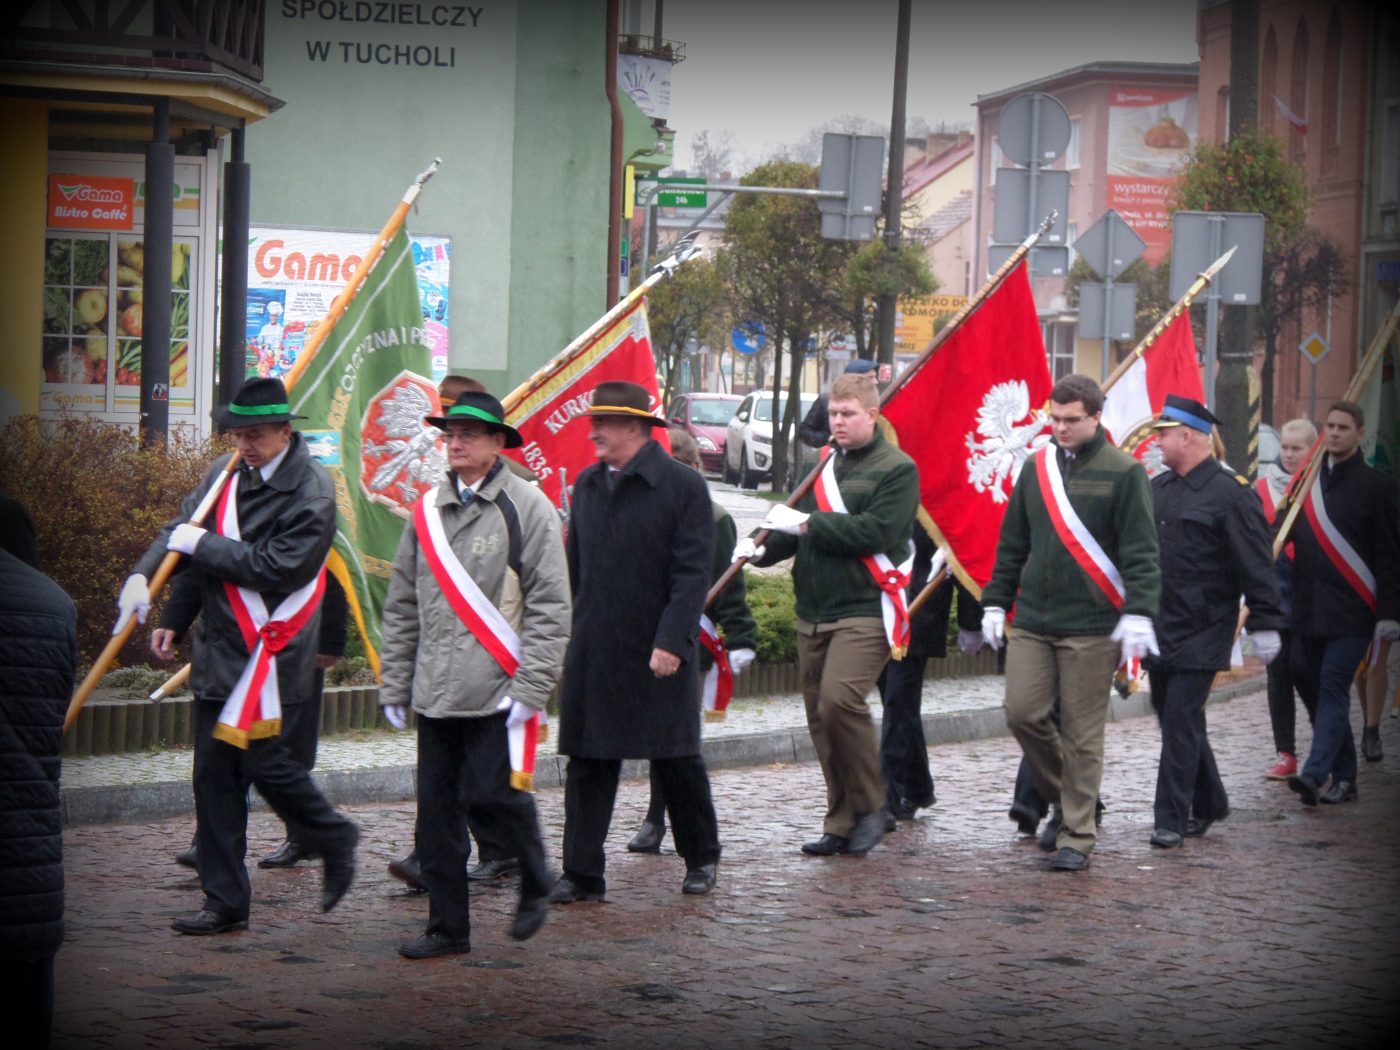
(91, 202)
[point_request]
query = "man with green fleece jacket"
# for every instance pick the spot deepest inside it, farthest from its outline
(855, 522)
(1078, 558)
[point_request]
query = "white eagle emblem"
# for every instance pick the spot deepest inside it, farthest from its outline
(1007, 439)
(400, 452)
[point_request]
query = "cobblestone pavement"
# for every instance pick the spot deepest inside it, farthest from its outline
(1277, 929)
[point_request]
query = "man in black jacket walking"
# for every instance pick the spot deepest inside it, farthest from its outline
(261, 562)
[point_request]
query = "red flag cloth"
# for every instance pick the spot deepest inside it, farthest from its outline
(550, 417)
(969, 416)
(1168, 366)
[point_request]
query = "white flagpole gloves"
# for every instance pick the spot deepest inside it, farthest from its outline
(396, 715)
(994, 626)
(740, 658)
(185, 538)
(519, 713)
(134, 598)
(1266, 644)
(1136, 636)
(745, 549)
(970, 642)
(783, 518)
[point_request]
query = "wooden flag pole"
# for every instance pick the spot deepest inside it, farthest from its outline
(342, 302)
(993, 282)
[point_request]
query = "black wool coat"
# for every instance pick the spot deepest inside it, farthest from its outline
(38, 657)
(639, 563)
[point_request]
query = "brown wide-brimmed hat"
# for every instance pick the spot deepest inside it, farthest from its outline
(629, 400)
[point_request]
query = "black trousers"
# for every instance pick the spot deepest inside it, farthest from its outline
(590, 791)
(1188, 781)
(464, 763)
(26, 999)
(222, 775)
(1282, 684)
(903, 747)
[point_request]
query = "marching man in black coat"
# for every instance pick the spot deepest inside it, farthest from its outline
(261, 561)
(640, 542)
(1215, 547)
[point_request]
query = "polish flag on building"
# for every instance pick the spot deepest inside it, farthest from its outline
(1168, 366)
(1298, 123)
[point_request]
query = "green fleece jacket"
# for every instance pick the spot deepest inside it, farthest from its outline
(880, 486)
(1034, 570)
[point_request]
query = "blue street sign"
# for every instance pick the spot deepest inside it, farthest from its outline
(749, 337)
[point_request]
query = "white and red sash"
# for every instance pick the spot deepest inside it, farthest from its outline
(1073, 533)
(1339, 552)
(253, 710)
(718, 687)
(1266, 496)
(890, 578)
(486, 625)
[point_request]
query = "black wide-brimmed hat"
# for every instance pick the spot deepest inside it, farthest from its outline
(1178, 411)
(483, 408)
(259, 400)
(615, 397)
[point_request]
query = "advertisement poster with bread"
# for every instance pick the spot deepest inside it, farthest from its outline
(1151, 133)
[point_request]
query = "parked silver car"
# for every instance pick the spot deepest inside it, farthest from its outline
(748, 446)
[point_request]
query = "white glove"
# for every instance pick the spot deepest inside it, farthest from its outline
(396, 715)
(185, 538)
(971, 642)
(1136, 636)
(1266, 645)
(1388, 630)
(134, 598)
(783, 518)
(994, 626)
(519, 713)
(745, 549)
(740, 658)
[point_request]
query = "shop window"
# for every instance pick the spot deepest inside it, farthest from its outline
(92, 340)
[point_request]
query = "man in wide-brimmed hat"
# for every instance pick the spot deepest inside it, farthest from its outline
(475, 627)
(641, 539)
(260, 560)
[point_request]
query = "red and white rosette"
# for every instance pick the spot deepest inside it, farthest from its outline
(718, 687)
(892, 579)
(253, 710)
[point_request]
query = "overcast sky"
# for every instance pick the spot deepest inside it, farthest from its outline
(770, 70)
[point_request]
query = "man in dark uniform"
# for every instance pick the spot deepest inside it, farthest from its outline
(1346, 596)
(1215, 546)
(265, 549)
(641, 537)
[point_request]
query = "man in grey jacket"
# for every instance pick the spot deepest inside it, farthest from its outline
(475, 627)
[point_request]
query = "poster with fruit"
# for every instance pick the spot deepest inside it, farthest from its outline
(92, 343)
(1151, 133)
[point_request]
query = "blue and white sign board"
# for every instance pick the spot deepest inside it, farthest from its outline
(749, 337)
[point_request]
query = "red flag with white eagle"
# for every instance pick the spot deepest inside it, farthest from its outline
(550, 416)
(970, 417)
(1168, 366)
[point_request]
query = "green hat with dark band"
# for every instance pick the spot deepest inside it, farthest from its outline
(482, 407)
(259, 400)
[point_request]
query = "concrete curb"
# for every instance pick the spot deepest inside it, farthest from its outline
(138, 803)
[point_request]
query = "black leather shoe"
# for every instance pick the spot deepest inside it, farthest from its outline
(287, 856)
(567, 891)
(488, 870)
(1050, 832)
(1305, 787)
(188, 858)
(407, 871)
(1196, 827)
(433, 945)
(701, 879)
(828, 845)
(1340, 791)
(904, 809)
(1165, 838)
(648, 838)
(1027, 820)
(1371, 744)
(1067, 859)
(891, 824)
(867, 833)
(208, 922)
(339, 869)
(529, 917)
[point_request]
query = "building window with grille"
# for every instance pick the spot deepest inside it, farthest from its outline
(1059, 347)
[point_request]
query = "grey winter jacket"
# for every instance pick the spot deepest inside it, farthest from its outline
(428, 657)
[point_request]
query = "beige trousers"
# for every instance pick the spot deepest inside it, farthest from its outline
(839, 667)
(1066, 763)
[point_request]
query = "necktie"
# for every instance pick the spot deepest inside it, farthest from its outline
(467, 496)
(612, 479)
(252, 478)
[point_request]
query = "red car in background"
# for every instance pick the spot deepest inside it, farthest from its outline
(705, 417)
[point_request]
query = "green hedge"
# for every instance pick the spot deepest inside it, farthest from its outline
(774, 610)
